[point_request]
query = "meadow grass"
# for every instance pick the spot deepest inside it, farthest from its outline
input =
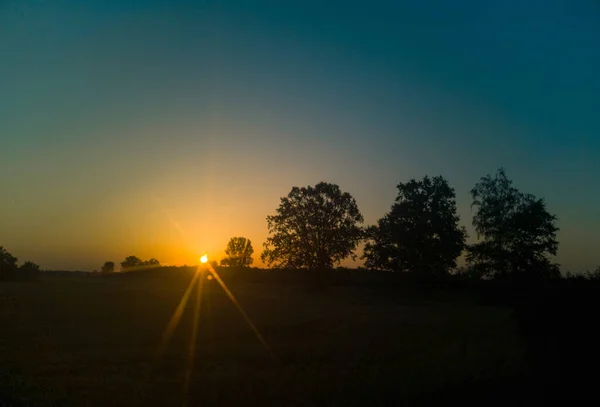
(95, 342)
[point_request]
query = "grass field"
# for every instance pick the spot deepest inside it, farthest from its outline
(95, 342)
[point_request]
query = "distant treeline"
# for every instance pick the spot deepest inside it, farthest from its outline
(315, 228)
(10, 270)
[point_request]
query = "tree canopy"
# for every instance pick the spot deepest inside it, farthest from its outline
(239, 253)
(314, 227)
(131, 262)
(152, 262)
(516, 231)
(8, 264)
(108, 267)
(421, 232)
(29, 270)
(9, 270)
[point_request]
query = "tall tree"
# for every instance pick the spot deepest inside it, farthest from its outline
(421, 232)
(315, 228)
(516, 231)
(131, 262)
(239, 253)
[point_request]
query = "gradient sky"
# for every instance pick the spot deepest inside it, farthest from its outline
(163, 128)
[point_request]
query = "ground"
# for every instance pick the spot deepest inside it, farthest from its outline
(95, 341)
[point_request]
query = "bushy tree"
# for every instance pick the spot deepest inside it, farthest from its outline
(594, 275)
(9, 270)
(108, 267)
(516, 231)
(315, 228)
(131, 262)
(29, 271)
(239, 253)
(8, 265)
(421, 233)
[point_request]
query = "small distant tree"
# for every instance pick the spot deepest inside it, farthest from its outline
(131, 262)
(29, 271)
(315, 228)
(152, 263)
(516, 231)
(8, 265)
(421, 233)
(239, 253)
(108, 267)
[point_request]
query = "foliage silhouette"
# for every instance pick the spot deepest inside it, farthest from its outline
(9, 270)
(8, 265)
(239, 253)
(594, 275)
(131, 262)
(586, 275)
(515, 229)
(152, 263)
(29, 271)
(421, 232)
(108, 267)
(314, 228)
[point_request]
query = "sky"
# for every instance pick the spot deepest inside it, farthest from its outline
(163, 128)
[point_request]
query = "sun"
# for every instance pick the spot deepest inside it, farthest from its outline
(204, 259)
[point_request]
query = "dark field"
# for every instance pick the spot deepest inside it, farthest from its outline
(94, 341)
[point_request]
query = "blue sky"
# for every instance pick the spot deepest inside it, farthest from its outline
(216, 109)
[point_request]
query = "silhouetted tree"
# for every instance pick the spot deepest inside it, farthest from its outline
(239, 253)
(594, 275)
(152, 263)
(8, 265)
(516, 231)
(314, 228)
(29, 271)
(420, 233)
(108, 267)
(131, 262)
